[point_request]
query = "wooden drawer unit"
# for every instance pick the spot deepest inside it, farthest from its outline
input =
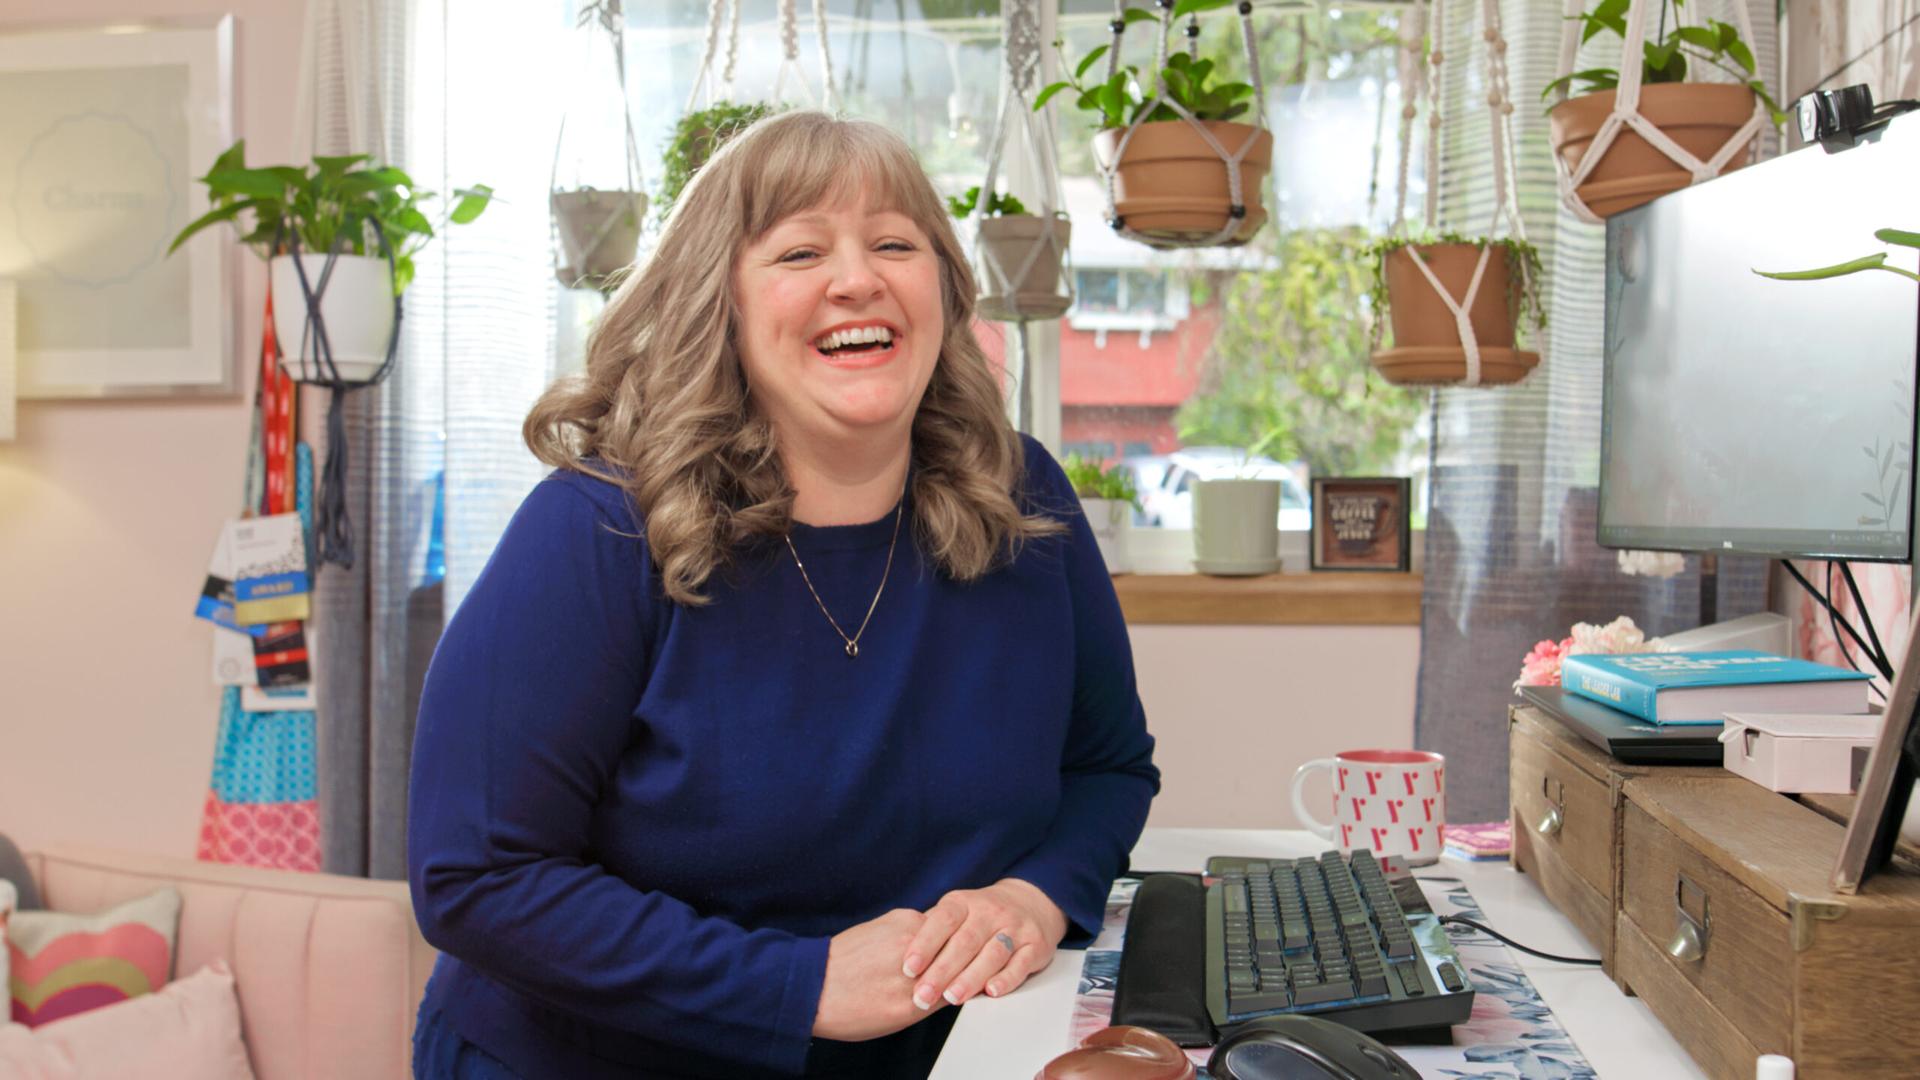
(1565, 797)
(1727, 929)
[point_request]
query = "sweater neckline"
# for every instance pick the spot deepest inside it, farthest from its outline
(859, 537)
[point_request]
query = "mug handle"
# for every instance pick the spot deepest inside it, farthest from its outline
(1321, 829)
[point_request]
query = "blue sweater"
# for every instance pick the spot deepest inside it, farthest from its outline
(634, 825)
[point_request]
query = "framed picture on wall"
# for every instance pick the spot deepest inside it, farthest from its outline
(1361, 523)
(103, 130)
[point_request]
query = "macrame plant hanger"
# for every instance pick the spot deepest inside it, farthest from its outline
(1505, 178)
(1230, 159)
(1626, 107)
(709, 85)
(1039, 282)
(790, 54)
(597, 232)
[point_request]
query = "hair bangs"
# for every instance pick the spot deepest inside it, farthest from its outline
(813, 161)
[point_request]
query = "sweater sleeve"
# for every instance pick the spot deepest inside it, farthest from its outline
(1107, 776)
(528, 707)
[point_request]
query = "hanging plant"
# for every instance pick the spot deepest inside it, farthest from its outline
(597, 193)
(366, 222)
(694, 140)
(1427, 345)
(1672, 133)
(1020, 265)
(1181, 171)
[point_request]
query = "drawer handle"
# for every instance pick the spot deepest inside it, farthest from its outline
(1691, 932)
(1550, 822)
(1687, 944)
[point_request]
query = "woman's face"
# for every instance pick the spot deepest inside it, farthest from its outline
(841, 322)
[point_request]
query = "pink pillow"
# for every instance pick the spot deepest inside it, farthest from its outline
(65, 964)
(190, 1030)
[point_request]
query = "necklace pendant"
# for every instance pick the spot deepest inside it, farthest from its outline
(853, 648)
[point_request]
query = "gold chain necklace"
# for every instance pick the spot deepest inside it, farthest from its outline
(853, 643)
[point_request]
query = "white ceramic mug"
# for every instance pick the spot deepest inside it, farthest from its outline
(1390, 802)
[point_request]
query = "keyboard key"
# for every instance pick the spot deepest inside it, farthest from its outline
(1322, 993)
(1398, 947)
(1370, 984)
(1409, 975)
(1240, 1004)
(1450, 978)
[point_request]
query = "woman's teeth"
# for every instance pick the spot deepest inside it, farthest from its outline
(856, 336)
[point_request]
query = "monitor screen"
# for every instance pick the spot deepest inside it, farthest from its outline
(1748, 415)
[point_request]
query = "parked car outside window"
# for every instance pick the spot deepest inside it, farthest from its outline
(1170, 504)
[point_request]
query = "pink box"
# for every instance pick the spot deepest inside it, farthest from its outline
(1797, 753)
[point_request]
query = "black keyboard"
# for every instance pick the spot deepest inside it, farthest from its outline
(1328, 937)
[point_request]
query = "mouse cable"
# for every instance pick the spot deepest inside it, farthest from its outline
(1483, 928)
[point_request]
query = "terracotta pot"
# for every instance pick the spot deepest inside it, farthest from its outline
(1039, 293)
(1699, 116)
(599, 233)
(1426, 339)
(1173, 186)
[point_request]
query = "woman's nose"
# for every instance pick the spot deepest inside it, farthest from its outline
(854, 278)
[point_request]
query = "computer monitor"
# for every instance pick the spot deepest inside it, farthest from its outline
(1745, 415)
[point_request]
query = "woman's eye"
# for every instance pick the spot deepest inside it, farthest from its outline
(896, 245)
(799, 253)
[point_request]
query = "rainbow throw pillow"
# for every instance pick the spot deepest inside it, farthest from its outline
(66, 964)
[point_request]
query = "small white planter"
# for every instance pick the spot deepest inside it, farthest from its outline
(357, 308)
(1236, 528)
(1112, 521)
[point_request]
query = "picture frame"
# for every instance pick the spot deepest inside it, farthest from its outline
(103, 130)
(1362, 523)
(1889, 779)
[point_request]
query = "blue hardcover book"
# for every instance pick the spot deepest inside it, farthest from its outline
(1701, 687)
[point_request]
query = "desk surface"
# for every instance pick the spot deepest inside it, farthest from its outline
(1012, 1037)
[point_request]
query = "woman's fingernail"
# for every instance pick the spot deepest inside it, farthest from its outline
(952, 998)
(993, 990)
(912, 968)
(923, 998)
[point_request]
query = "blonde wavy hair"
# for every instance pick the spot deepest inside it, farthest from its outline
(663, 408)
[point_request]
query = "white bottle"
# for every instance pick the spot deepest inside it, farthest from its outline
(1773, 1067)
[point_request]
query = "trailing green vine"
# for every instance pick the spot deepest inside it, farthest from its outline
(694, 140)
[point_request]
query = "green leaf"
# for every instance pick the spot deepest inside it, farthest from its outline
(1232, 111)
(1046, 95)
(402, 273)
(211, 217)
(1700, 36)
(413, 221)
(258, 183)
(1190, 7)
(1201, 70)
(1136, 15)
(1178, 87)
(1179, 60)
(1235, 91)
(473, 201)
(234, 158)
(1741, 55)
(1897, 236)
(1876, 261)
(1092, 58)
(335, 166)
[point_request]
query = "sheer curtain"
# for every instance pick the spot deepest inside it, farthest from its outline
(1511, 557)
(436, 463)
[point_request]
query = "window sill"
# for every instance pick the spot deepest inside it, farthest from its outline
(1318, 599)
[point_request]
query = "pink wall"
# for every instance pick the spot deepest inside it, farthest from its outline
(107, 513)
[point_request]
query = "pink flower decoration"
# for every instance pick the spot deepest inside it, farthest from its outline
(1542, 665)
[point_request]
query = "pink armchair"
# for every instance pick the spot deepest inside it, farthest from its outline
(329, 970)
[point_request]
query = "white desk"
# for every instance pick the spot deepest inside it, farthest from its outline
(1010, 1038)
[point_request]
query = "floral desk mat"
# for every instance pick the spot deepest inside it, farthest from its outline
(1512, 1035)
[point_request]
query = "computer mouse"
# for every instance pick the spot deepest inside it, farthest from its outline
(1121, 1052)
(1304, 1048)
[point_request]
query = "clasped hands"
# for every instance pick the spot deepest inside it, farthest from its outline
(888, 973)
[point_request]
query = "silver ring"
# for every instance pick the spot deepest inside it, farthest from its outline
(1003, 939)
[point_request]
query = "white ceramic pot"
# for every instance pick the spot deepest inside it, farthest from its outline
(357, 308)
(1236, 526)
(1112, 521)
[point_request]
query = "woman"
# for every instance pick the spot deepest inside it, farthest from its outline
(796, 705)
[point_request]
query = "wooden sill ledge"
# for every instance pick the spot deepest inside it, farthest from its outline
(1320, 599)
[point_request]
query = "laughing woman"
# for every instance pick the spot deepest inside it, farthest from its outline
(795, 707)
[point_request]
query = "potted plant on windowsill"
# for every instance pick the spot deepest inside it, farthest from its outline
(366, 220)
(1169, 182)
(1020, 264)
(1108, 498)
(1427, 348)
(1236, 518)
(695, 138)
(1699, 116)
